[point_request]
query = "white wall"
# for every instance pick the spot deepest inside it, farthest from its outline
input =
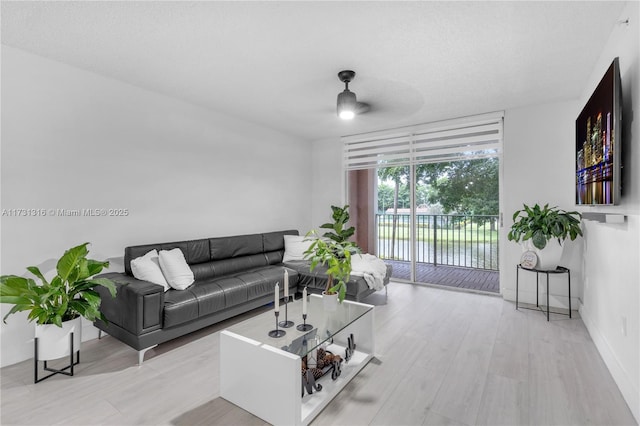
(611, 294)
(72, 139)
(328, 183)
(538, 160)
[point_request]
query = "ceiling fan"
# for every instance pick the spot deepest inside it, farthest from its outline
(348, 106)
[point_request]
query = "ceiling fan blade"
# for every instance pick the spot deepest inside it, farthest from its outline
(362, 107)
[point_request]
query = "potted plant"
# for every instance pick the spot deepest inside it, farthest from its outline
(57, 305)
(544, 230)
(334, 251)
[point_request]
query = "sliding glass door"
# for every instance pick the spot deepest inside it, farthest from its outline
(436, 214)
(427, 201)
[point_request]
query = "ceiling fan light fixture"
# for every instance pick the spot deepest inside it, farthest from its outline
(347, 115)
(347, 102)
(347, 105)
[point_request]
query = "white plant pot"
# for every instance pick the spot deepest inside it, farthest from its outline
(53, 341)
(330, 302)
(549, 257)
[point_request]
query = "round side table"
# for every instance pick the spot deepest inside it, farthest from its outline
(547, 272)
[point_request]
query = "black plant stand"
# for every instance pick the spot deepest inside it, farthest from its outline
(558, 270)
(52, 370)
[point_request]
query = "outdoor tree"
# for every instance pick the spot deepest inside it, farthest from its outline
(464, 187)
(385, 197)
(386, 194)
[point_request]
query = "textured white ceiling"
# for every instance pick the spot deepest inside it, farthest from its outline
(276, 63)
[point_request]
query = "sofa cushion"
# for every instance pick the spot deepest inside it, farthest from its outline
(253, 283)
(179, 307)
(273, 245)
(235, 290)
(175, 269)
(256, 285)
(295, 246)
(133, 252)
(147, 268)
(210, 296)
(237, 264)
(241, 245)
(276, 274)
(274, 257)
(306, 278)
(197, 251)
(274, 241)
(203, 271)
(316, 279)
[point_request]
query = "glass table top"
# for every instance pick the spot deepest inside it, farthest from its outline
(325, 324)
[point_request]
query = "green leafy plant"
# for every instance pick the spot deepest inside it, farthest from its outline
(334, 250)
(338, 233)
(541, 224)
(69, 294)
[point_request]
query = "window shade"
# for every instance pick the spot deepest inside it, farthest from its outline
(469, 137)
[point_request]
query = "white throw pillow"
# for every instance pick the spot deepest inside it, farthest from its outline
(175, 269)
(147, 268)
(295, 246)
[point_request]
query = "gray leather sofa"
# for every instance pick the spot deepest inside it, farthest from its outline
(232, 275)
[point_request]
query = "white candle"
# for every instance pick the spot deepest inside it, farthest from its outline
(276, 302)
(304, 301)
(286, 284)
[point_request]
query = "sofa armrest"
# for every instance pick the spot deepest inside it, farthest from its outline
(137, 306)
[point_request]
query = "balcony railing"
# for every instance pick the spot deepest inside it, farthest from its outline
(453, 240)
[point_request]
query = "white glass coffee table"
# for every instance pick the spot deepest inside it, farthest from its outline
(262, 374)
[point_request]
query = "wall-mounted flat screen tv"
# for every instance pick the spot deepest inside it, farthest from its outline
(598, 128)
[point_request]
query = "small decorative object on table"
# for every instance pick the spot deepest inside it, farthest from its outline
(304, 326)
(529, 259)
(286, 323)
(351, 347)
(276, 310)
(321, 362)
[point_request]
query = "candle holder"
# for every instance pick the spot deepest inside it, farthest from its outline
(277, 332)
(304, 326)
(286, 323)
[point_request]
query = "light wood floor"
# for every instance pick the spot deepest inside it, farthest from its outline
(444, 358)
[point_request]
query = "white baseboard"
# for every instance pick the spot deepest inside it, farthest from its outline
(620, 375)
